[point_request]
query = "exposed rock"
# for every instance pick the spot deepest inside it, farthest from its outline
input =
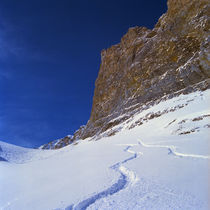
(59, 143)
(148, 65)
(200, 118)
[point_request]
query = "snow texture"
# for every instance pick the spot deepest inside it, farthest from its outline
(161, 163)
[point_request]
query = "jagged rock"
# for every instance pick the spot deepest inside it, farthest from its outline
(149, 64)
(59, 143)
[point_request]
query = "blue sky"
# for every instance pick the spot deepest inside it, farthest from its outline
(50, 58)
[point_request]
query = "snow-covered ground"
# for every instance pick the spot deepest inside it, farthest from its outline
(159, 160)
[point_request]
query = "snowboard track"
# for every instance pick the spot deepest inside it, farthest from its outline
(172, 151)
(127, 177)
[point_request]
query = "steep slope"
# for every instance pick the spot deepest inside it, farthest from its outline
(149, 64)
(151, 114)
(158, 160)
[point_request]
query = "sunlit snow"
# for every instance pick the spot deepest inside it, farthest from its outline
(160, 164)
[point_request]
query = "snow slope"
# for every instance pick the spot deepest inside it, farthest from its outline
(158, 160)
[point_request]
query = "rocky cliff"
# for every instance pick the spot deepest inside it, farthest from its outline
(149, 64)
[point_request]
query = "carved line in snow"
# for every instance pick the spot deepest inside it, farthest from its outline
(127, 177)
(172, 150)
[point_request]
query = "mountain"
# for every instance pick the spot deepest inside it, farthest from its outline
(159, 159)
(148, 66)
(146, 144)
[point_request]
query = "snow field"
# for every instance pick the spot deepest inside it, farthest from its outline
(151, 166)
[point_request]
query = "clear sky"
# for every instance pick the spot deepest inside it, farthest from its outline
(50, 58)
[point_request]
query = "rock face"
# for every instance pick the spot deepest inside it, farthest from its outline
(58, 143)
(148, 64)
(62, 142)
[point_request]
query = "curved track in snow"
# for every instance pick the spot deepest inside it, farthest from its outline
(126, 178)
(172, 150)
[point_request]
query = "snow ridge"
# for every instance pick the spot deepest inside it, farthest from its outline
(127, 177)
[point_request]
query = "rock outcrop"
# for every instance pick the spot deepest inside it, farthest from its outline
(58, 143)
(149, 64)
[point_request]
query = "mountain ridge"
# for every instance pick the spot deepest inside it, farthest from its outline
(148, 65)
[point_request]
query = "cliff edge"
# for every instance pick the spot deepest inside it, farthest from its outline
(150, 64)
